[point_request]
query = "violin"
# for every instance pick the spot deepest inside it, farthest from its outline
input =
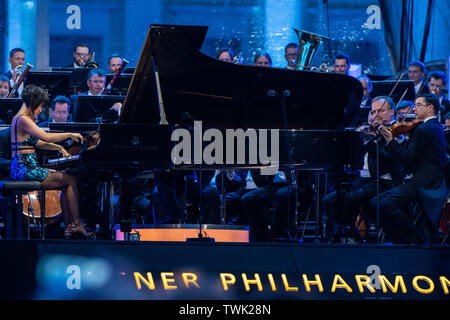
(402, 127)
(32, 205)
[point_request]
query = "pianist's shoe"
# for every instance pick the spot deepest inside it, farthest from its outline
(78, 232)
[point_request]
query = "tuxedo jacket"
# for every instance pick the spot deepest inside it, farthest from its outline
(425, 155)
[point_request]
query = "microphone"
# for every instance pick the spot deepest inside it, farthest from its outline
(272, 93)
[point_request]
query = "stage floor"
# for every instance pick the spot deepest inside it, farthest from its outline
(139, 270)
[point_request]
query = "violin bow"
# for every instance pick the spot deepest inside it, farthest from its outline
(413, 103)
(390, 94)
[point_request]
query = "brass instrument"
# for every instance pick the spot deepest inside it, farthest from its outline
(19, 81)
(91, 63)
(308, 45)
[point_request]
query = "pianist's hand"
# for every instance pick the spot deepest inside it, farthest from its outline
(76, 137)
(64, 152)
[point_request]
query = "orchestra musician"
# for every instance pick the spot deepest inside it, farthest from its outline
(114, 62)
(341, 207)
(262, 59)
(81, 56)
(16, 61)
(367, 89)
(290, 54)
(225, 55)
(416, 72)
(341, 63)
(26, 137)
(437, 82)
(96, 80)
(425, 154)
(4, 86)
(59, 111)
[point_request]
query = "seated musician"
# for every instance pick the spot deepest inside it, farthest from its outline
(437, 82)
(26, 137)
(96, 80)
(16, 61)
(81, 56)
(342, 207)
(425, 154)
(4, 86)
(176, 189)
(59, 111)
(367, 89)
(262, 59)
(225, 55)
(404, 110)
(290, 54)
(271, 191)
(114, 62)
(341, 63)
(416, 72)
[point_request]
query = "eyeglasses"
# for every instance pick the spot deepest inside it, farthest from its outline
(97, 81)
(82, 54)
(421, 105)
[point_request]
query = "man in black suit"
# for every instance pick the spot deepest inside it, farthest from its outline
(96, 80)
(425, 155)
(437, 82)
(341, 207)
(16, 59)
(416, 71)
(81, 56)
(59, 111)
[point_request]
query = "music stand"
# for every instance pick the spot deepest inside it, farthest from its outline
(129, 70)
(120, 85)
(77, 79)
(383, 88)
(54, 82)
(9, 108)
(94, 108)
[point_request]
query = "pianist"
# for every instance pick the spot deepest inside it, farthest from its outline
(26, 137)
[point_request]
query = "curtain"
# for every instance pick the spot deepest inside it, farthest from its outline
(415, 30)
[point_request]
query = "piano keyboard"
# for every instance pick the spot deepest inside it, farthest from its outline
(62, 161)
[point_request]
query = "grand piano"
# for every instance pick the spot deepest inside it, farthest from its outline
(175, 84)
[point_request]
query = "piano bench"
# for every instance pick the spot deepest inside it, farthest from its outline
(11, 194)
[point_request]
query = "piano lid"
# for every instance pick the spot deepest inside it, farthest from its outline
(226, 95)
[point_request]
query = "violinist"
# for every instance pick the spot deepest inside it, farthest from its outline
(364, 187)
(425, 155)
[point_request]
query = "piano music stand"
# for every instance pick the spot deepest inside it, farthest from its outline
(120, 85)
(90, 108)
(383, 88)
(9, 108)
(54, 82)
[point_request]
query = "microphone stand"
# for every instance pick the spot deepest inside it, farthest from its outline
(293, 185)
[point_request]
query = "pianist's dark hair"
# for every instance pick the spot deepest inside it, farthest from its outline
(33, 96)
(60, 99)
(230, 52)
(13, 51)
(96, 72)
(342, 56)
(260, 54)
(433, 100)
(390, 102)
